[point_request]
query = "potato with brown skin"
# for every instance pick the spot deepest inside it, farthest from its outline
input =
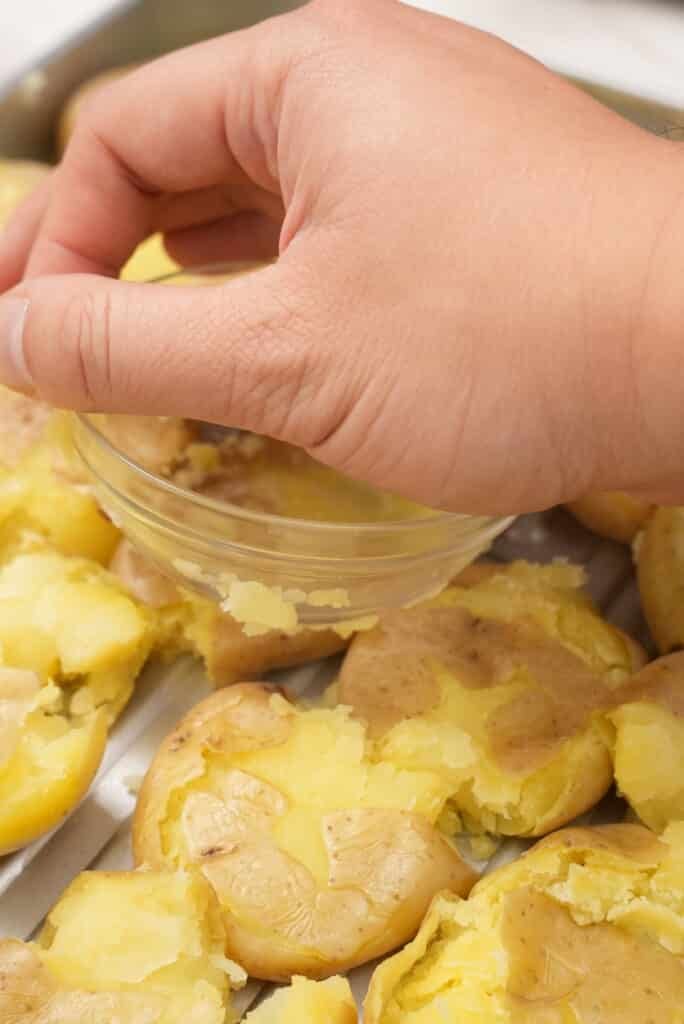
(322, 858)
(612, 514)
(128, 947)
(308, 1002)
(499, 688)
(660, 572)
(189, 623)
(649, 742)
(587, 927)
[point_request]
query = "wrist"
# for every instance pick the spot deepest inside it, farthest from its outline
(636, 361)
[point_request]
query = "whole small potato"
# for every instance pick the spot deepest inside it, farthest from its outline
(587, 927)
(498, 687)
(130, 948)
(660, 572)
(18, 178)
(612, 514)
(308, 1002)
(321, 857)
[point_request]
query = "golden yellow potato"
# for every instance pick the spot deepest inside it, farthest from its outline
(587, 928)
(69, 621)
(321, 857)
(649, 742)
(53, 497)
(612, 514)
(74, 105)
(128, 948)
(48, 756)
(18, 178)
(308, 1002)
(497, 687)
(660, 571)
(72, 643)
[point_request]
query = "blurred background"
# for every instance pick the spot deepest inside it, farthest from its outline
(629, 46)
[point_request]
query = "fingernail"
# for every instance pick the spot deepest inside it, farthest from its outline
(14, 372)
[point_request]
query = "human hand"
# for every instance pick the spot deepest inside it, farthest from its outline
(474, 302)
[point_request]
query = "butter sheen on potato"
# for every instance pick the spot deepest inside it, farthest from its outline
(321, 858)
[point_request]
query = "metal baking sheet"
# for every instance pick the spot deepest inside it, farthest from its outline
(97, 834)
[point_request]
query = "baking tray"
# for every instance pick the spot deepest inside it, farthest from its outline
(97, 834)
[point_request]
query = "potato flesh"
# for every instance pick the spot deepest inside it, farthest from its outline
(295, 828)
(137, 948)
(498, 688)
(587, 927)
(308, 1002)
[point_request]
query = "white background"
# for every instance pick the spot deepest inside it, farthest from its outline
(636, 44)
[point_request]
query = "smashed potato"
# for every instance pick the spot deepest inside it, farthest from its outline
(649, 742)
(612, 514)
(48, 757)
(588, 927)
(308, 1002)
(498, 687)
(72, 644)
(130, 948)
(660, 572)
(321, 858)
(18, 178)
(43, 487)
(192, 624)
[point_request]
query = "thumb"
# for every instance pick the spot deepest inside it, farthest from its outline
(239, 353)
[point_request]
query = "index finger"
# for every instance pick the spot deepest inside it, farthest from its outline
(189, 121)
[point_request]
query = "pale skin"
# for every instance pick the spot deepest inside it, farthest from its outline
(477, 301)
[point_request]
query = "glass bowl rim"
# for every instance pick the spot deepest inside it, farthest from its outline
(341, 528)
(231, 511)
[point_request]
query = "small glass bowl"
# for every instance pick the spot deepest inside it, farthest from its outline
(332, 573)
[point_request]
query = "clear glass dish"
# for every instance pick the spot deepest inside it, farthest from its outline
(296, 572)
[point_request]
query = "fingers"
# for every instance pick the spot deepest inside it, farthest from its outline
(240, 353)
(244, 236)
(202, 117)
(20, 232)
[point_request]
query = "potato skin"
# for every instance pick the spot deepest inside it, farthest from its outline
(612, 514)
(436, 685)
(126, 946)
(384, 860)
(648, 750)
(660, 573)
(550, 937)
